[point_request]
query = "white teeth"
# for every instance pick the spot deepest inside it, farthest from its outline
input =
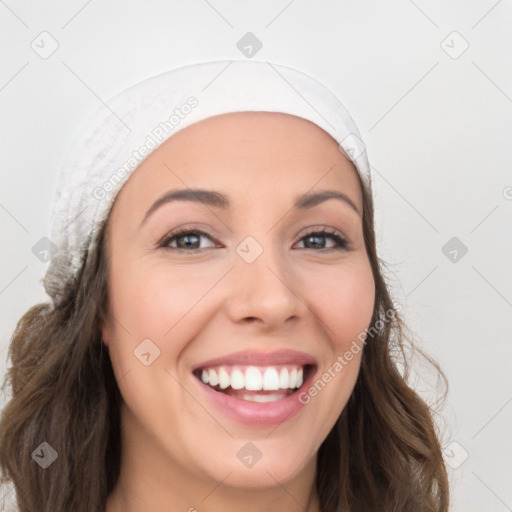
(224, 379)
(271, 380)
(213, 378)
(254, 378)
(237, 379)
(284, 379)
(264, 398)
(300, 378)
(293, 378)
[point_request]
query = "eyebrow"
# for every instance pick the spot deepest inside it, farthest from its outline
(219, 200)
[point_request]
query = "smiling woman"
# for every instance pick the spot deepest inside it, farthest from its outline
(219, 335)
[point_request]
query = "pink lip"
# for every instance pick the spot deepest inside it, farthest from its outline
(258, 414)
(259, 358)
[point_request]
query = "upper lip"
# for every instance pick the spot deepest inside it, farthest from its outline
(259, 358)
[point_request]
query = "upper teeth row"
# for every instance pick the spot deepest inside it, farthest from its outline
(254, 378)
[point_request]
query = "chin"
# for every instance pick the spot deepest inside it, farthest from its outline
(261, 464)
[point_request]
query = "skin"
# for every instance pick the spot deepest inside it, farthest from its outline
(178, 450)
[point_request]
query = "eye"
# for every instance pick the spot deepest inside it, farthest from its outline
(317, 236)
(188, 240)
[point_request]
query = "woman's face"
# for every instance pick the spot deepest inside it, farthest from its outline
(253, 296)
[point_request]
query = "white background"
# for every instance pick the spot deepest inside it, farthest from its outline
(436, 122)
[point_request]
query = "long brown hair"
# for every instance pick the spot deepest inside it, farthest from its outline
(383, 453)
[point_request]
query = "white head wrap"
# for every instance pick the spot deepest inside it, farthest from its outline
(127, 128)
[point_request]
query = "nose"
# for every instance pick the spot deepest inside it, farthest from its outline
(264, 292)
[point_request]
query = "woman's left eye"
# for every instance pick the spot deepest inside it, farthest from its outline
(187, 240)
(341, 243)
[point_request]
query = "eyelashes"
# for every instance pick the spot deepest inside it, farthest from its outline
(183, 233)
(193, 236)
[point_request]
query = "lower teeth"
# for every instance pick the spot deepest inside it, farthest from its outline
(254, 396)
(264, 398)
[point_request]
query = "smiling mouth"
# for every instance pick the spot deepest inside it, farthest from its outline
(255, 383)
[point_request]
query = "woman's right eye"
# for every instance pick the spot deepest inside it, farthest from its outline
(186, 240)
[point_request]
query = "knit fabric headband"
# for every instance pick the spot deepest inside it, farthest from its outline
(130, 126)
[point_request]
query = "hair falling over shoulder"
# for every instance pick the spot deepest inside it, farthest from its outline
(383, 453)
(64, 393)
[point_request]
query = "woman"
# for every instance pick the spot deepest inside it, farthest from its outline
(220, 335)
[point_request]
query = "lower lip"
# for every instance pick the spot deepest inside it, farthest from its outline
(256, 413)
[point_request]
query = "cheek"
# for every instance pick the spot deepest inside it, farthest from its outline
(155, 303)
(343, 301)
(158, 302)
(343, 304)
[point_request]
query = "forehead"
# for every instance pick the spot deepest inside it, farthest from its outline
(260, 156)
